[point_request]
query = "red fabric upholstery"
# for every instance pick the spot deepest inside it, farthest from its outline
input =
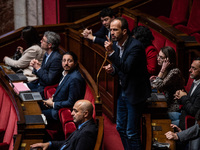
(66, 123)
(179, 13)
(131, 22)
(8, 120)
(169, 43)
(49, 90)
(193, 25)
(159, 40)
(189, 84)
(89, 96)
(189, 121)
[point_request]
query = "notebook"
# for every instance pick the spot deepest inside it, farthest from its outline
(19, 87)
(17, 77)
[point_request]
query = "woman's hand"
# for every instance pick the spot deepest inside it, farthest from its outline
(165, 65)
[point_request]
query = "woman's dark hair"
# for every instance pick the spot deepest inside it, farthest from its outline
(30, 36)
(143, 34)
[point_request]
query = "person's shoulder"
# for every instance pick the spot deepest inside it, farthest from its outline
(57, 54)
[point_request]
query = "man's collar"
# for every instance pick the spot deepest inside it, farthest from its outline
(196, 81)
(122, 44)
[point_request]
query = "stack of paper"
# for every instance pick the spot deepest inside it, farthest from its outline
(20, 87)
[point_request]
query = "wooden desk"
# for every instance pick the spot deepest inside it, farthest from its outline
(28, 132)
(159, 128)
(36, 131)
(158, 110)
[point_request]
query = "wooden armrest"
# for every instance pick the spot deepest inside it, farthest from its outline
(99, 141)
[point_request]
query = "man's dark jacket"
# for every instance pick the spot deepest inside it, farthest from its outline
(82, 139)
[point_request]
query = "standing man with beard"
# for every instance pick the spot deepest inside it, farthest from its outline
(50, 71)
(129, 62)
(190, 101)
(106, 15)
(70, 89)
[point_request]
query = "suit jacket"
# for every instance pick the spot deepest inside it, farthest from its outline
(191, 104)
(192, 135)
(50, 73)
(132, 70)
(82, 139)
(33, 52)
(71, 89)
(101, 36)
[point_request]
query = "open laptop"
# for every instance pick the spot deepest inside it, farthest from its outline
(24, 92)
(17, 77)
(30, 96)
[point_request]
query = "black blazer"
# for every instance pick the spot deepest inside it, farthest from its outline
(68, 92)
(101, 36)
(132, 70)
(82, 139)
(191, 104)
(50, 73)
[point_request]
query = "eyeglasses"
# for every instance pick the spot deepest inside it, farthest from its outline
(43, 40)
(160, 57)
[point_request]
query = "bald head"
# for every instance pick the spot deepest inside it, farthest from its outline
(82, 111)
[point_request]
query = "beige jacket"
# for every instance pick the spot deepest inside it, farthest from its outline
(33, 52)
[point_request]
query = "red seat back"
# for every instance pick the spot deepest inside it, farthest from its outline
(194, 21)
(189, 84)
(179, 13)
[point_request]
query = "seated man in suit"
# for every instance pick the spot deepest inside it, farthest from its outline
(84, 137)
(50, 71)
(191, 134)
(99, 37)
(190, 101)
(70, 89)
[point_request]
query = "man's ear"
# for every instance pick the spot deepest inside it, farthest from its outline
(49, 45)
(86, 114)
(124, 31)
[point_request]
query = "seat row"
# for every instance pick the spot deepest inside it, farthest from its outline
(184, 17)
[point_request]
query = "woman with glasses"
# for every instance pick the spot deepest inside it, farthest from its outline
(168, 81)
(21, 61)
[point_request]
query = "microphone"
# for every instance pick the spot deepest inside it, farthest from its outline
(98, 96)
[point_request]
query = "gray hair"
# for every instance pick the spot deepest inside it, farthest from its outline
(52, 38)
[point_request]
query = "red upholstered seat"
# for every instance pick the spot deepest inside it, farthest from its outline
(131, 22)
(171, 44)
(8, 120)
(66, 124)
(189, 84)
(193, 25)
(189, 121)
(159, 40)
(179, 13)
